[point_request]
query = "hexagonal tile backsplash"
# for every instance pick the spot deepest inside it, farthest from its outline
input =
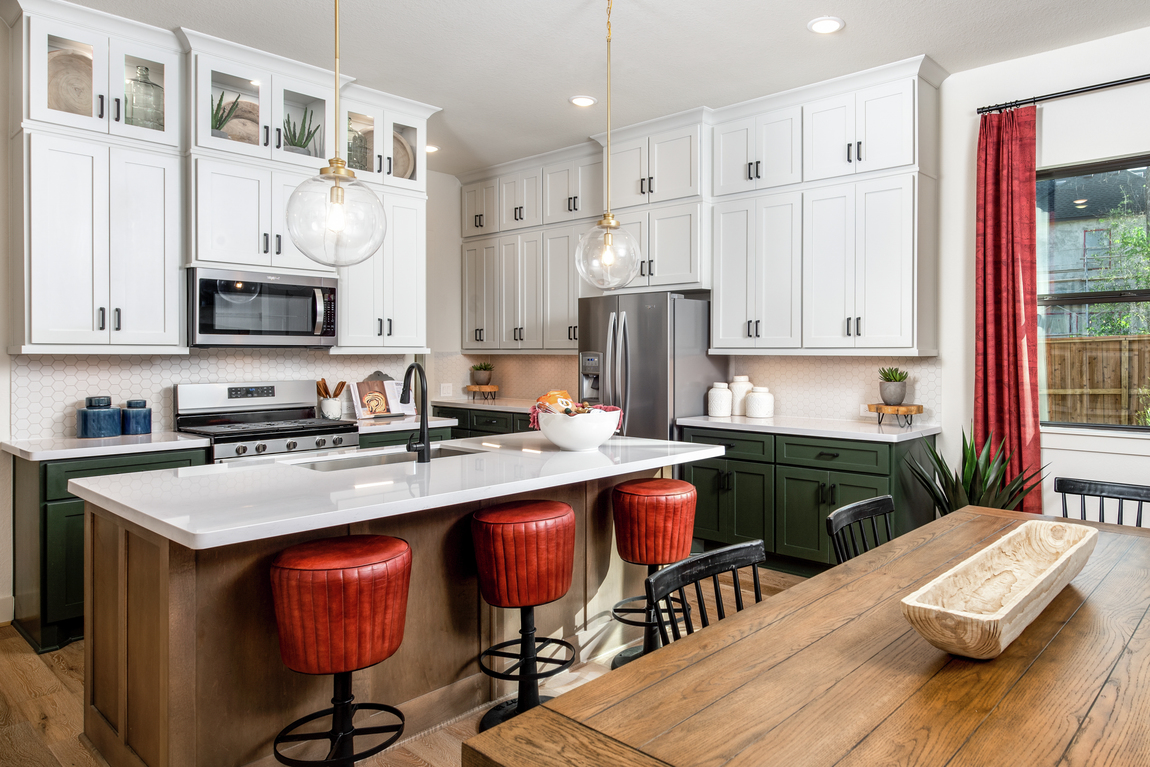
(47, 390)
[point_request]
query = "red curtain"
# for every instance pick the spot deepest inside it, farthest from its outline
(1006, 343)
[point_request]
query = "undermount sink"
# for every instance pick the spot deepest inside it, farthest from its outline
(380, 459)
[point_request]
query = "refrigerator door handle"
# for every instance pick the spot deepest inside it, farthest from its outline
(605, 378)
(624, 390)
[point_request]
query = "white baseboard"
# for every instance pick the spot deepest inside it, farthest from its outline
(7, 609)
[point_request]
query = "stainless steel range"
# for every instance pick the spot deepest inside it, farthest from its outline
(248, 420)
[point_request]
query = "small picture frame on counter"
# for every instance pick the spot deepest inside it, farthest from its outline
(371, 400)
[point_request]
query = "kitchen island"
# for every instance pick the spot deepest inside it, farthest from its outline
(182, 661)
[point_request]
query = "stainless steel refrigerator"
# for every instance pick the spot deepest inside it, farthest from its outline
(647, 353)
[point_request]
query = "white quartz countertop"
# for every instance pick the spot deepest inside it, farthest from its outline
(404, 423)
(816, 427)
(202, 507)
(60, 448)
(504, 405)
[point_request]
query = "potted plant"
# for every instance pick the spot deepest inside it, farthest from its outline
(298, 139)
(481, 373)
(979, 481)
(221, 116)
(892, 385)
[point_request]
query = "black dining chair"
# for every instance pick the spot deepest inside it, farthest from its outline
(1103, 491)
(844, 523)
(669, 586)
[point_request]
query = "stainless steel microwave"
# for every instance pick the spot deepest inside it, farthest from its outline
(233, 308)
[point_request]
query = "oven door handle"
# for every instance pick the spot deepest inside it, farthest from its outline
(318, 311)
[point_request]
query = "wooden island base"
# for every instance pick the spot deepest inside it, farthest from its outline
(182, 662)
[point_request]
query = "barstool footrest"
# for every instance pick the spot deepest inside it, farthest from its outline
(287, 736)
(619, 610)
(498, 651)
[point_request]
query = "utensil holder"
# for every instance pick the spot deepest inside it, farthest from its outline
(331, 408)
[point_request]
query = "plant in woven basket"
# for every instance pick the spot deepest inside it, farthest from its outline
(892, 374)
(221, 115)
(300, 136)
(979, 481)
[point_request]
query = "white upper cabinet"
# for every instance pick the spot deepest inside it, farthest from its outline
(384, 138)
(670, 244)
(521, 200)
(405, 155)
(734, 300)
(284, 253)
(480, 206)
(302, 116)
(572, 190)
(664, 166)
(84, 78)
(233, 213)
(870, 129)
(628, 173)
(828, 266)
(560, 289)
(758, 152)
(521, 291)
(481, 294)
(359, 304)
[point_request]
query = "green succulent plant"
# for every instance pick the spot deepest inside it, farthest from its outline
(301, 135)
(483, 366)
(892, 374)
(220, 115)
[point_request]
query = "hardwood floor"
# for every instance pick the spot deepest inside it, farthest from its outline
(41, 714)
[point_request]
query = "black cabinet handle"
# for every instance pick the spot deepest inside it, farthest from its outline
(267, 243)
(822, 491)
(576, 198)
(758, 163)
(482, 333)
(482, 218)
(389, 326)
(379, 332)
(100, 114)
(832, 495)
(116, 115)
(848, 326)
(858, 151)
(828, 454)
(476, 220)
(515, 213)
(642, 186)
(522, 215)
(279, 138)
(651, 184)
(380, 158)
(757, 334)
(749, 335)
(279, 245)
(858, 326)
(103, 321)
(849, 147)
(267, 135)
(576, 332)
(389, 165)
(642, 268)
(569, 208)
(750, 175)
(115, 319)
(650, 267)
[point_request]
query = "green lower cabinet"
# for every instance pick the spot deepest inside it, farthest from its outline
(522, 422)
(804, 498)
(707, 477)
(736, 500)
(64, 559)
(389, 438)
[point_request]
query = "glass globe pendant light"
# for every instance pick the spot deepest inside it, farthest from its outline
(332, 218)
(608, 256)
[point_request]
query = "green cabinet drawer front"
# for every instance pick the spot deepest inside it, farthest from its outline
(742, 445)
(752, 498)
(458, 413)
(707, 477)
(522, 422)
(458, 433)
(57, 473)
(492, 422)
(834, 454)
(64, 560)
(386, 439)
(800, 515)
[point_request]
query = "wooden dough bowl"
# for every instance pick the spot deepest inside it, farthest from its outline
(979, 607)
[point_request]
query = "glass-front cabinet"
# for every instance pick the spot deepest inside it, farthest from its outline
(361, 140)
(382, 145)
(83, 78)
(302, 114)
(405, 158)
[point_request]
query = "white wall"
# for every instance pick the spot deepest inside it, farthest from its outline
(1082, 128)
(6, 602)
(444, 274)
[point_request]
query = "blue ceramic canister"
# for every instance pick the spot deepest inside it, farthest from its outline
(137, 417)
(97, 418)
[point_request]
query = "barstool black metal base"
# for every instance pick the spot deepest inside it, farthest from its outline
(343, 731)
(524, 670)
(651, 642)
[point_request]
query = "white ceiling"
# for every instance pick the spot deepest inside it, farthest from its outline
(502, 70)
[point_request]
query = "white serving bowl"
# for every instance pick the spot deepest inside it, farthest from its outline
(583, 431)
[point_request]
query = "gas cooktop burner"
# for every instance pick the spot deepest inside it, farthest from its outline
(271, 427)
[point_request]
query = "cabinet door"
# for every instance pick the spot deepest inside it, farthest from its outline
(405, 154)
(54, 45)
(510, 198)
(636, 224)
(778, 277)
(249, 131)
(828, 131)
(674, 165)
(531, 197)
(558, 193)
(708, 478)
(359, 301)
(884, 126)
(628, 173)
(846, 488)
(478, 202)
(884, 262)
(405, 272)
(734, 146)
(361, 140)
(531, 291)
(752, 500)
(673, 258)
(68, 230)
(560, 289)
(779, 152)
(63, 560)
(284, 253)
(509, 292)
(800, 514)
(301, 109)
(145, 102)
(828, 266)
(144, 267)
(735, 303)
(489, 212)
(481, 294)
(588, 176)
(233, 213)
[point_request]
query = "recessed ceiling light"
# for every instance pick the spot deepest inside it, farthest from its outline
(431, 148)
(1080, 202)
(583, 101)
(825, 25)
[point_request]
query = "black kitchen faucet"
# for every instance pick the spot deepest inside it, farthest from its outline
(423, 446)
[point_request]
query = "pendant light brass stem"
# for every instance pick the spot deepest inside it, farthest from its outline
(335, 166)
(608, 220)
(337, 77)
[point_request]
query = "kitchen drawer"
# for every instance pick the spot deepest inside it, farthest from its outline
(386, 439)
(742, 445)
(57, 473)
(522, 422)
(458, 413)
(833, 454)
(491, 422)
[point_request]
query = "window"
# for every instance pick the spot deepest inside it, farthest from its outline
(1094, 295)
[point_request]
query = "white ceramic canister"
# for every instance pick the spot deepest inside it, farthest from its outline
(330, 408)
(760, 403)
(740, 387)
(719, 400)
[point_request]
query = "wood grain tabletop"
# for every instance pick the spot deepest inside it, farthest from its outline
(830, 673)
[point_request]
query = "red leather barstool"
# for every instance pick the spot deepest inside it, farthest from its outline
(525, 551)
(340, 607)
(654, 524)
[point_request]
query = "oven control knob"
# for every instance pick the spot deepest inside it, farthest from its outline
(261, 447)
(320, 442)
(291, 445)
(241, 449)
(337, 441)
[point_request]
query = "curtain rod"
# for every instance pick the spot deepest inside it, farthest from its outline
(1062, 94)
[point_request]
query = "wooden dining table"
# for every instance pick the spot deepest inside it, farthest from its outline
(830, 673)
